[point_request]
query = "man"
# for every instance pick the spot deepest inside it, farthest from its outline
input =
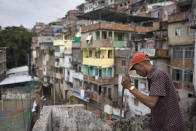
(162, 98)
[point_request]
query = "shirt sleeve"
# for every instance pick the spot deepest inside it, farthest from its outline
(158, 85)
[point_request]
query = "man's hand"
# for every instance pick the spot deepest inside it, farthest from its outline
(126, 82)
(149, 101)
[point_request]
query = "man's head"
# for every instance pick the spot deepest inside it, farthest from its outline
(141, 63)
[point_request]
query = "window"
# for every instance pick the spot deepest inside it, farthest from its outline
(156, 14)
(188, 76)
(57, 49)
(189, 52)
(123, 63)
(104, 35)
(90, 53)
(97, 54)
(136, 47)
(178, 32)
(95, 88)
(177, 75)
(79, 69)
(109, 93)
(177, 52)
(99, 90)
(109, 53)
(120, 37)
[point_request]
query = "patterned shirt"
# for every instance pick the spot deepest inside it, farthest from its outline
(166, 115)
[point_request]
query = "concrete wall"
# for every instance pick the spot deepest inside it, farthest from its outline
(186, 38)
(69, 118)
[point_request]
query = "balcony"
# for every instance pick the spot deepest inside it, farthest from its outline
(59, 76)
(99, 99)
(59, 54)
(98, 43)
(78, 75)
(161, 53)
(100, 62)
(120, 44)
(180, 16)
(100, 81)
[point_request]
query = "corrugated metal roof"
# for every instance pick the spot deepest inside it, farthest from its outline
(16, 79)
(18, 69)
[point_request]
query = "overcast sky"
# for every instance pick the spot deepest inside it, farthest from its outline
(28, 12)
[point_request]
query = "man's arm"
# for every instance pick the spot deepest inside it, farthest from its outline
(149, 101)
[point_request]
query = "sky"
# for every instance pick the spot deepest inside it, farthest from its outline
(28, 12)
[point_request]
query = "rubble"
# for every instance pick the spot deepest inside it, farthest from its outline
(133, 123)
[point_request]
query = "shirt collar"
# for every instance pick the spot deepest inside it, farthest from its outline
(149, 76)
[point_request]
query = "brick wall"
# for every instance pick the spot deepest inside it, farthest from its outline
(142, 29)
(188, 63)
(103, 26)
(119, 68)
(180, 16)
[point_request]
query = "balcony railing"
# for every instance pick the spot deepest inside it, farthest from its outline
(98, 43)
(100, 62)
(101, 81)
(99, 99)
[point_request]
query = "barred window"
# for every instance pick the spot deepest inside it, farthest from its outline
(188, 76)
(189, 52)
(177, 52)
(123, 63)
(177, 75)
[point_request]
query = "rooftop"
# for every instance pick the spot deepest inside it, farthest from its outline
(112, 16)
(16, 79)
(107, 26)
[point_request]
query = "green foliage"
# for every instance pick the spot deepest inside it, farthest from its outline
(18, 41)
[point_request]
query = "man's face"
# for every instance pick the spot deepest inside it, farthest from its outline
(140, 69)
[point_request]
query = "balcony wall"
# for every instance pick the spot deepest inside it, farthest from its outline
(99, 99)
(180, 16)
(101, 81)
(104, 63)
(119, 44)
(98, 43)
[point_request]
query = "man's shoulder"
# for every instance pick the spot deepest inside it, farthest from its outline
(159, 73)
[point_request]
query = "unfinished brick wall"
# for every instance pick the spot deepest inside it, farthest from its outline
(119, 68)
(180, 16)
(142, 29)
(188, 63)
(105, 26)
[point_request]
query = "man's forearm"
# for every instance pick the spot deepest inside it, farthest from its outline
(149, 101)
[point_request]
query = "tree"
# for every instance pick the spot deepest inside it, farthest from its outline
(18, 41)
